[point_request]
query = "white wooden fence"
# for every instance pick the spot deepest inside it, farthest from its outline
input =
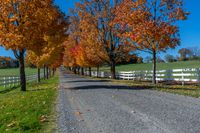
(181, 75)
(11, 81)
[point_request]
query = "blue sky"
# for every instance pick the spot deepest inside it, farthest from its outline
(189, 29)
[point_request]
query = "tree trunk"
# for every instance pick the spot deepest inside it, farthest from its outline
(112, 68)
(47, 75)
(154, 68)
(50, 72)
(38, 75)
(90, 72)
(54, 71)
(44, 72)
(78, 69)
(74, 70)
(82, 71)
(22, 71)
(97, 71)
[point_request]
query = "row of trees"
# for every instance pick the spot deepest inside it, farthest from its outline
(7, 62)
(108, 31)
(184, 54)
(35, 28)
(189, 53)
(192, 53)
(97, 32)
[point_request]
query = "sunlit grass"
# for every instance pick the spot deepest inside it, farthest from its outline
(29, 111)
(15, 71)
(160, 66)
(187, 90)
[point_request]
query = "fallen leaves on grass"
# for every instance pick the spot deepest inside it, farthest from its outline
(43, 118)
(12, 124)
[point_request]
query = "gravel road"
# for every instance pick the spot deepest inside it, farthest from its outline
(93, 106)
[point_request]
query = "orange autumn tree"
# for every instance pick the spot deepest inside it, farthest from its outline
(98, 16)
(20, 23)
(150, 25)
(83, 48)
(52, 60)
(91, 48)
(69, 59)
(50, 51)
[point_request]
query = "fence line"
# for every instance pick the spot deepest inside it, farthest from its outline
(181, 75)
(11, 81)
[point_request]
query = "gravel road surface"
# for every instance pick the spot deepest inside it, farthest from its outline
(93, 106)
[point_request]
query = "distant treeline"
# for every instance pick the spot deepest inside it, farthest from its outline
(7, 62)
(184, 54)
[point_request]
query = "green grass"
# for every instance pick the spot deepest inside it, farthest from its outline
(31, 111)
(15, 71)
(160, 66)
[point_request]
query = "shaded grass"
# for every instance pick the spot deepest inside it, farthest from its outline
(29, 111)
(160, 66)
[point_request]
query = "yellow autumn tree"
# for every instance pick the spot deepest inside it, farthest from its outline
(20, 23)
(50, 51)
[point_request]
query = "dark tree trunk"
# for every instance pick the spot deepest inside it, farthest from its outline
(38, 75)
(78, 69)
(47, 75)
(112, 68)
(22, 71)
(97, 71)
(54, 70)
(50, 72)
(82, 71)
(90, 72)
(154, 68)
(74, 70)
(44, 72)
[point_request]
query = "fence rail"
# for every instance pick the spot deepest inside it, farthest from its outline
(11, 81)
(181, 75)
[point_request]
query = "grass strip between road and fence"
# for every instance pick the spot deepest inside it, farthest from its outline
(187, 90)
(30, 111)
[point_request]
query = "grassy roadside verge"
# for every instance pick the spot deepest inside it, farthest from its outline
(29, 111)
(187, 90)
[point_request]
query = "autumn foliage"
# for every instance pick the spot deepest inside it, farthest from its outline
(150, 26)
(96, 32)
(31, 26)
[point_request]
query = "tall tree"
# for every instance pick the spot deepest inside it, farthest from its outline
(150, 25)
(99, 15)
(51, 48)
(20, 23)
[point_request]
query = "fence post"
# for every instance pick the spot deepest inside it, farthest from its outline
(182, 78)
(198, 73)
(157, 73)
(9, 81)
(13, 80)
(134, 76)
(4, 82)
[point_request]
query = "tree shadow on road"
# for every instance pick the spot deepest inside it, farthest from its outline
(78, 81)
(114, 87)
